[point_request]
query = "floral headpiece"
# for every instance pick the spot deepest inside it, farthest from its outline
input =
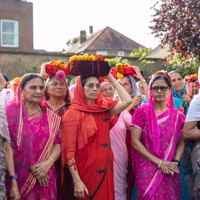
(88, 65)
(191, 78)
(53, 66)
(121, 69)
(85, 57)
(15, 82)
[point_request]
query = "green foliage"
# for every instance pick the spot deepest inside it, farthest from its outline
(72, 42)
(184, 67)
(32, 69)
(113, 61)
(142, 53)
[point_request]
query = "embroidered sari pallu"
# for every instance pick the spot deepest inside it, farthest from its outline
(151, 183)
(36, 136)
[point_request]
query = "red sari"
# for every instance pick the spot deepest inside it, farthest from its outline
(85, 137)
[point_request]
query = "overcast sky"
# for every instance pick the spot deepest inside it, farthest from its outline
(55, 22)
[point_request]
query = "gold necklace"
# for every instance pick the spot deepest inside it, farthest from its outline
(30, 111)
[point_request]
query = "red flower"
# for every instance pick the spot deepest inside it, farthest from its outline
(129, 70)
(113, 72)
(67, 70)
(50, 69)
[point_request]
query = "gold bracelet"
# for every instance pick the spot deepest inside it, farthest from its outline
(143, 80)
(115, 83)
(51, 159)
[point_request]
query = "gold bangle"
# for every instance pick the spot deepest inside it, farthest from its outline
(115, 83)
(143, 80)
(51, 159)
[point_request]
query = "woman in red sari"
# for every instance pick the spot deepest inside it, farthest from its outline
(85, 138)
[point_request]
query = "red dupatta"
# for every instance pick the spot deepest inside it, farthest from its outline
(92, 124)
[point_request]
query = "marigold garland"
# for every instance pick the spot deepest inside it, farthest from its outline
(86, 56)
(190, 77)
(120, 69)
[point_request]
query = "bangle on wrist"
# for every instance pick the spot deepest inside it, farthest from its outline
(143, 80)
(51, 159)
(177, 161)
(115, 83)
(13, 177)
(160, 163)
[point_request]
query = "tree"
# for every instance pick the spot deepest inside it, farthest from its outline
(184, 67)
(72, 42)
(142, 54)
(177, 23)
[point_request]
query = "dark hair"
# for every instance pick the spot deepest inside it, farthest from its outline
(27, 78)
(85, 79)
(6, 79)
(164, 77)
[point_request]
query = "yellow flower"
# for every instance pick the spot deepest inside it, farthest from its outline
(85, 56)
(17, 79)
(120, 75)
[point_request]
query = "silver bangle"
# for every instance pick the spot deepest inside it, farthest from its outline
(160, 163)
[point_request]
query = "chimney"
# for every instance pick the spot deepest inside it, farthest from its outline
(82, 36)
(91, 29)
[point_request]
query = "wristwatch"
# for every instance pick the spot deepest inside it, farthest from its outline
(13, 177)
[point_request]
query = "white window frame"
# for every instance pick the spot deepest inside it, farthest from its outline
(15, 33)
(120, 53)
(105, 53)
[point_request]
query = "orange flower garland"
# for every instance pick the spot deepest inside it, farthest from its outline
(85, 57)
(120, 69)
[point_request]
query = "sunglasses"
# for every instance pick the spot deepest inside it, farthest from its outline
(161, 88)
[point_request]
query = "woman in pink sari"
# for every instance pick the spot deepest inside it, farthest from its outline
(33, 130)
(158, 144)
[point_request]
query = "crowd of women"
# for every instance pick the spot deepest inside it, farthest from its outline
(106, 135)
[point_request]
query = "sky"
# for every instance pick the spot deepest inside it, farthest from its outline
(55, 22)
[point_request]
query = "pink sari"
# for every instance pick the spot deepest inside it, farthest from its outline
(151, 183)
(32, 139)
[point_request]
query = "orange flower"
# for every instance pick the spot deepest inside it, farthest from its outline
(86, 56)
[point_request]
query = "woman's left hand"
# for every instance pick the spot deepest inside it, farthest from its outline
(186, 98)
(14, 192)
(40, 170)
(138, 74)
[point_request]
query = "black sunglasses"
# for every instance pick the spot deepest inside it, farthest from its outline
(161, 88)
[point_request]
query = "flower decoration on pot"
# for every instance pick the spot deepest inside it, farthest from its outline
(191, 78)
(122, 69)
(88, 65)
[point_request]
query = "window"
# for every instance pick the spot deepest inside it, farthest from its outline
(9, 33)
(120, 53)
(105, 53)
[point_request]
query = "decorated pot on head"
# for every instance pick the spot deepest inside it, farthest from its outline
(88, 65)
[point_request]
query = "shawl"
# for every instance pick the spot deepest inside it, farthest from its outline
(87, 123)
(153, 118)
(4, 125)
(178, 101)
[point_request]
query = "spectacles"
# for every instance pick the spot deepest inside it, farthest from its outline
(161, 88)
(58, 84)
(92, 85)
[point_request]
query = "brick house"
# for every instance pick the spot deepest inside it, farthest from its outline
(16, 25)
